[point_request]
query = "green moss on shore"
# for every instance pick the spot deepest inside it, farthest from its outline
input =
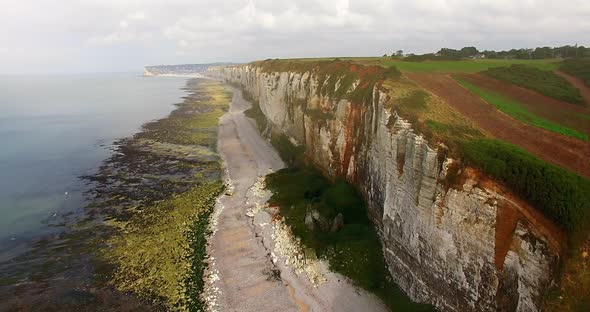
(195, 121)
(160, 254)
(169, 175)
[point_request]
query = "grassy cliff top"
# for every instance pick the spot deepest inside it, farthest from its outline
(338, 79)
(442, 66)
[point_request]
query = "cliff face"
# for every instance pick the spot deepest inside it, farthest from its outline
(469, 247)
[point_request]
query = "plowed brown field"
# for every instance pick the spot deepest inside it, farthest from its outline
(549, 108)
(564, 151)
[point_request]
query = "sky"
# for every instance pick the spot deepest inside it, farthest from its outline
(79, 36)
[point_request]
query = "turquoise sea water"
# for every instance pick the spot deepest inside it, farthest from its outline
(53, 129)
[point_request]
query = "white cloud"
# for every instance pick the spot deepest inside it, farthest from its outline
(138, 16)
(120, 37)
(130, 29)
(129, 33)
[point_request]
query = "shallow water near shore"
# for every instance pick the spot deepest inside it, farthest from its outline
(54, 129)
(147, 189)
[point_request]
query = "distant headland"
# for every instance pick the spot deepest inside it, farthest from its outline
(180, 69)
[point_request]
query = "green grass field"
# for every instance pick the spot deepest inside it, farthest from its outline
(519, 111)
(462, 66)
(545, 82)
(466, 66)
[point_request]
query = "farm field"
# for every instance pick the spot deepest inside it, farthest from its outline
(565, 151)
(552, 129)
(565, 114)
(460, 66)
(579, 68)
(519, 112)
(543, 81)
(467, 66)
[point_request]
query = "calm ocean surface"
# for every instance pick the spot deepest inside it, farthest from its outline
(54, 129)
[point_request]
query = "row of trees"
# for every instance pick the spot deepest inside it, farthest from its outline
(537, 53)
(464, 52)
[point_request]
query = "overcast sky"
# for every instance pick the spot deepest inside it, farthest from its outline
(66, 36)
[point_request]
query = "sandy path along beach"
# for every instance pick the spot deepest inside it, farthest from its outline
(245, 273)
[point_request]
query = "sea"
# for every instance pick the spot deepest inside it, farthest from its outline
(56, 129)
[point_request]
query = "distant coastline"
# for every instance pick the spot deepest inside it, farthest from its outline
(180, 70)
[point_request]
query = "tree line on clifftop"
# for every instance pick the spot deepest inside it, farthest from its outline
(566, 51)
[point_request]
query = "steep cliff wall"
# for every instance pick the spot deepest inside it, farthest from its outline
(469, 247)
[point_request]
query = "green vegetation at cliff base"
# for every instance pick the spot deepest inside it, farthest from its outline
(354, 250)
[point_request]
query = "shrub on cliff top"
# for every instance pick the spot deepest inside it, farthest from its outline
(578, 67)
(560, 194)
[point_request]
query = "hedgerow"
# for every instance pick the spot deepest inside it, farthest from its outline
(562, 195)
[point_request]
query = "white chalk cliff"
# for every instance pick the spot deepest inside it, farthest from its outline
(456, 247)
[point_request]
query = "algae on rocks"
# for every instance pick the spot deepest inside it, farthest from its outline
(157, 193)
(160, 253)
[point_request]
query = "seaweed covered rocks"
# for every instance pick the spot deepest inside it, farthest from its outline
(157, 192)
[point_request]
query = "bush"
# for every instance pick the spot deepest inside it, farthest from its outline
(431, 57)
(544, 82)
(577, 67)
(292, 154)
(255, 112)
(560, 194)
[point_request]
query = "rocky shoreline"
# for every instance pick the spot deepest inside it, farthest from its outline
(80, 268)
